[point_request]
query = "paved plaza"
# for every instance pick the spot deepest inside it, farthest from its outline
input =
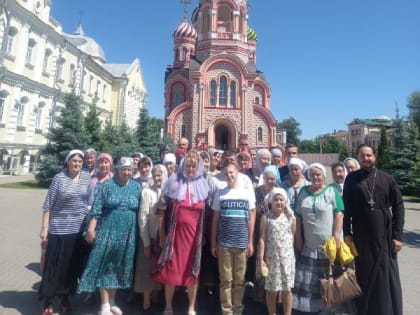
(20, 217)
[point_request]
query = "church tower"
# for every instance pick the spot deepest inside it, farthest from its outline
(214, 94)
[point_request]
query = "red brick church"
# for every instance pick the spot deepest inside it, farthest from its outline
(214, 94)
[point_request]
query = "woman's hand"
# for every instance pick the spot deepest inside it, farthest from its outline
(214, 251)
(90, 236)
(43, 234)
(147, 252)
(337, 238)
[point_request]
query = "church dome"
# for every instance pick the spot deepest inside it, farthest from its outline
(86, 44)
(251, 34)
(185, 30)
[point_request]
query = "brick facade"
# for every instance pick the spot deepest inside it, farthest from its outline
(215, 96)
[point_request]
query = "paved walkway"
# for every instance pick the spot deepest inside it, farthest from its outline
(20, 218)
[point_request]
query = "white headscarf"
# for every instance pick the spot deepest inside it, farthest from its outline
(318, 166)
(279, 191)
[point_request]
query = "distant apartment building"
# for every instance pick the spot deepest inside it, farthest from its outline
(39, 63)
(369, 131)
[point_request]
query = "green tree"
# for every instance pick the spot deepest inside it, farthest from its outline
(93, 129)
(384, 157)
(148, 134)
(405, 166)
(67, 135)
(291, 125)
(307, 146)
(413, 105)
(119, 141)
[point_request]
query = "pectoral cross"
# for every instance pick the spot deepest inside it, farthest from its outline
(372, 203)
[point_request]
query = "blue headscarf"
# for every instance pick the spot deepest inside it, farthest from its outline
(273, 170)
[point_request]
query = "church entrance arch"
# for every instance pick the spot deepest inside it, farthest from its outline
(222, 135)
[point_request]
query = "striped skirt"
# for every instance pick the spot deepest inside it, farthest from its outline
(312, 265)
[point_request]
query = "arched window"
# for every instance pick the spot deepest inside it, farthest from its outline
(183, 131)
(90, 85)
(72, 75)
(46, 60)
(10, 40)
(233, 93)
(184, 54)
(38, 115)
(223, 90)
(178, 96)
(260, 135)
(257, 100)
(20, 109)
(213, 87)
(224, 17)
(30, 51)
(3, 95)
(59, 73)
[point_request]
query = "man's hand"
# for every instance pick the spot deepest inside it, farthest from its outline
(396, 246)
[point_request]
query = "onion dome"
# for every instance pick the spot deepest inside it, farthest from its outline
(251, 34)
(86, 44)
(185, 30)
(194, 15)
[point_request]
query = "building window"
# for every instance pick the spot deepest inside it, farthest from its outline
(98, 87)
(183, 131)
(103, 92)
(213, 87)
(223, 90)
(60, 65)
(72, 75)
(46, 61)
(30, 51)
(178, 95)
(233, 93)
(10, 40)
(257, 100)
(2, 104)
(184, 54)
(260, 135)
(90, 85)
(20, 109)
(38, 116)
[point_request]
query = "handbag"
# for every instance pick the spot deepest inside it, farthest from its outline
(339, 289)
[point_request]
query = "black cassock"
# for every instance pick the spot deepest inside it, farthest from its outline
(374, 215)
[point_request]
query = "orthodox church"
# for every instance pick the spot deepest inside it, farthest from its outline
(214, 94)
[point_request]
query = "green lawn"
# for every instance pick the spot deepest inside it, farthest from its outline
(30, 184)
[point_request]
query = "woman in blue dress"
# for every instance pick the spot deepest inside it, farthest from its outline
(111, 262)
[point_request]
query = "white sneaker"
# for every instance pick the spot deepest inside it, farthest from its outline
(115, 310)
(105, 312)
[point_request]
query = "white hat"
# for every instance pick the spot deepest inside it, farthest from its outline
(298, 162)
(318, 166)
(73, 152)
(169, 158)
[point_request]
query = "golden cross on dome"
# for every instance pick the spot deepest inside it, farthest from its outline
(186, 3)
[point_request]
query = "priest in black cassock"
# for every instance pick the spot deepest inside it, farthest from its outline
(373, 223)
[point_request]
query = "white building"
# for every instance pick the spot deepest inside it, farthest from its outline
(39, 63)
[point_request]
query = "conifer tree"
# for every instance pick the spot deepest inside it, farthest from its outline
(148, 134)
(67, 135)
(93, 129)
(383, 151)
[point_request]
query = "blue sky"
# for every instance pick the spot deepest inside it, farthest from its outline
(327, 61)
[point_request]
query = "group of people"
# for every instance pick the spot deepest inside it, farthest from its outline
(221, 219)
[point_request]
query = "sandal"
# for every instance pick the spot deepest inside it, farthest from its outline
(48, 311)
